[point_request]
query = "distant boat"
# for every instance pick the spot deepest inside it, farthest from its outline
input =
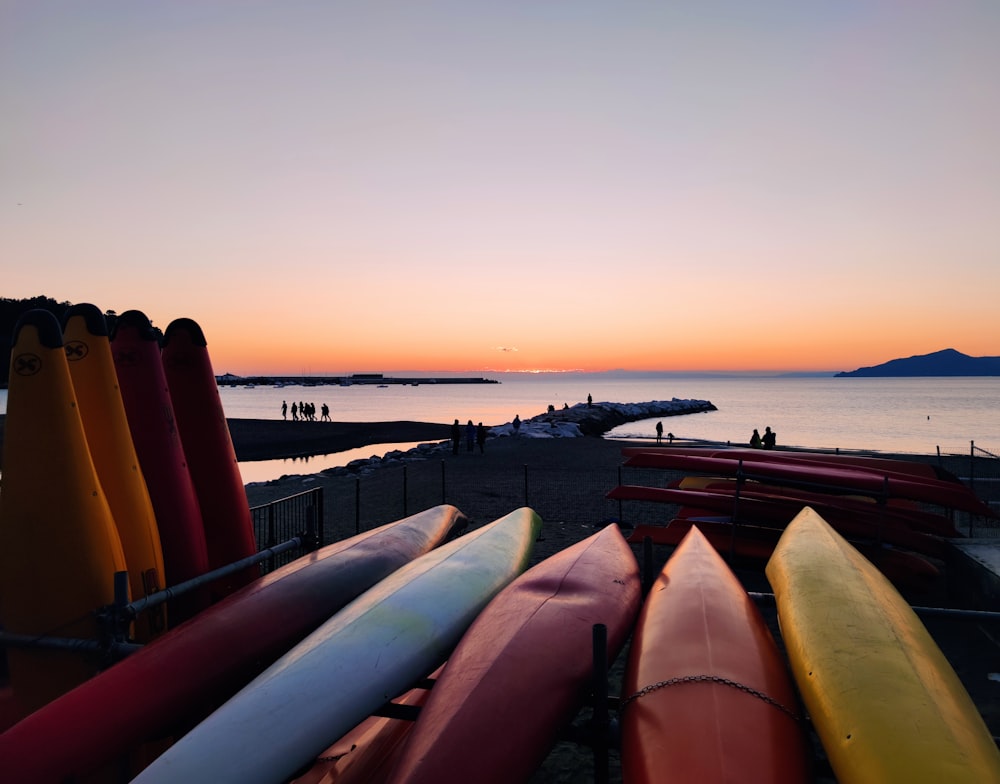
(382, 386)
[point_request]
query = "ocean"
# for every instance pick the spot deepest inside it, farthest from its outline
(905, 415)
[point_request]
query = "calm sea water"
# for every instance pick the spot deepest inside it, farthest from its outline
(912, 415)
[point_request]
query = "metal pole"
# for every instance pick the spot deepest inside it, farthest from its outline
(600, 721)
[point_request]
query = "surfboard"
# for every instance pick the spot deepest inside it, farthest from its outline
(92, 369)
(375, 648)
(707, 696)
(531, 646)
(59, 547)
(179, 678)
(153, 425)
(883, 699)
(208, 447)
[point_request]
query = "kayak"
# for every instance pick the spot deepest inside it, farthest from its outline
(136, 351)
(707, 696)
(92, 368)
(531, 646)
(824, 478)
(882, 697)
(366, 754)
(179, 678)
(59, 546)
(777, 511)
(376, 647)
(211, 457)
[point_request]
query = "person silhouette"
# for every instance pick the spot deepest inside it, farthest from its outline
(768, 438)
(755, 441)
(516, 424)
(456, 437)
(659, 432)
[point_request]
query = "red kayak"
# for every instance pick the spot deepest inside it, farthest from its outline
(210, 453)
(185, 674)
(707, 696)
(776, 512)
(523, 668)
(824, 478)
(153, 425)
(881, 464)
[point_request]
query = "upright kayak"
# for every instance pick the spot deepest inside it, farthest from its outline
(883, 699)
(176, 680)
(707, 696)
(59, 547)
(374, 649)
(92, 368)
(211, 457)
(153, 424)
(524, 667)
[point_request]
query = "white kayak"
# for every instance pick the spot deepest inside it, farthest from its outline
(367, 653)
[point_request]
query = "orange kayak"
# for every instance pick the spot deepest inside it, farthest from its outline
(707, 696)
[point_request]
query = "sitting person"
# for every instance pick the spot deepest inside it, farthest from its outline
(768, 438)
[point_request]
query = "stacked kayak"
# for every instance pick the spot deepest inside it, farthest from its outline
(707, 696)
(59, 545)
(524, 667)
(373, 649)
(883, 699)
(172, 682)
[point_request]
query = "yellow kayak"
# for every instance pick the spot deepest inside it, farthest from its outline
(885, 702)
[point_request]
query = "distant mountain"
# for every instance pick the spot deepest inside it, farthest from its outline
(948, 362)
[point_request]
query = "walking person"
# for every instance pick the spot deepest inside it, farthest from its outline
(516, 424)
(284, 409)
(470, 437)
(659, 432)
(456, 437)
(481, 437)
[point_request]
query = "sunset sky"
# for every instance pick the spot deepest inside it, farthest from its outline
(332, 187)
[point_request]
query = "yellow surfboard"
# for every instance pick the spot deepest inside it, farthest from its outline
(884, 700)
(95, 381)
(59, 548)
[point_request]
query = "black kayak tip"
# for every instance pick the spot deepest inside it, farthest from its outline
(188, 326)
(92, 316)
(49, 330)
(139, 321)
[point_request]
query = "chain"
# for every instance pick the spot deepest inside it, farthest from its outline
(707, 679)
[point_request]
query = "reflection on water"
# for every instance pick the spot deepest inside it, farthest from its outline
(266, 470)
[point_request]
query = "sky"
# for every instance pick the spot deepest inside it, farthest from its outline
(335, 187)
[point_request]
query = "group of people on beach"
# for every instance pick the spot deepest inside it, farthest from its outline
(474, 434)
(766, 441)
(305, 412)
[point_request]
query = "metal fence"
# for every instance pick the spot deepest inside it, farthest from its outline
(298, 515)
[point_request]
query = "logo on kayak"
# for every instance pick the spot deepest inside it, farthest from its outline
(27, 364)
(126, 358)
(76, 350)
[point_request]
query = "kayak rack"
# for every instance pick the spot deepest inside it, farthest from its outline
(114, 619)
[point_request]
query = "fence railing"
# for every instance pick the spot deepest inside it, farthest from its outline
(298, 515)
